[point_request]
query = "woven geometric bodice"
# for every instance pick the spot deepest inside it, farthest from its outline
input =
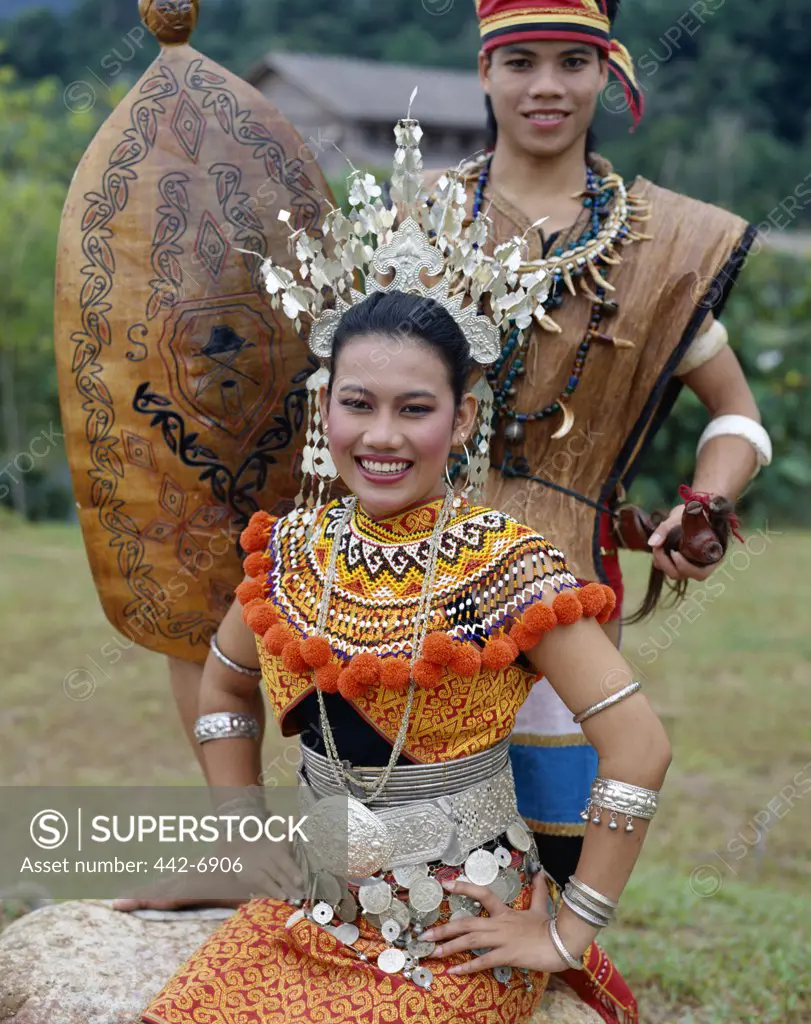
(492, 575)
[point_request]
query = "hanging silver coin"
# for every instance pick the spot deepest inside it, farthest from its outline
(295, 917)
(389, 929)
(410, 964)
(503, 856)
(375, 898)
(347, 933)
(328, 888)
(457, 915)
(420, 949)
(425, 895)
(481, 867)
(513, 880)
(500, 888)
(423, 921)
(398, 912)
(404, 876)
(348, 909)
(519, 837)
(374, 920)
(464, 903)
(323, 913)
(503, 974)
(391, 961)
(423, 977)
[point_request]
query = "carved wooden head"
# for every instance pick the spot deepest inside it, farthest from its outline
(170, 21)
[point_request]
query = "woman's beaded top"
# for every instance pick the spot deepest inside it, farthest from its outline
(487, 608)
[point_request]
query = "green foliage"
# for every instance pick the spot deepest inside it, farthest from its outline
(40, 144)
(728, 122)
(726, 83)
(766, 318)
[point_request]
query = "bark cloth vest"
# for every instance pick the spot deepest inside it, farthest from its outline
(665, 288)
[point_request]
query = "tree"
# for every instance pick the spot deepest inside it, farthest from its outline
(40, 144)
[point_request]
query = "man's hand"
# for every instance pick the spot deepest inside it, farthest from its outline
(674, 565)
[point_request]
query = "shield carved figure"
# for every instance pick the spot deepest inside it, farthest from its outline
(183, 393)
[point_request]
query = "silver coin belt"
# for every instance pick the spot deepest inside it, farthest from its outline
(401, 902)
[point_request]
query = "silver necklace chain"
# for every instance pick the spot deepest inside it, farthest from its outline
(342, 775)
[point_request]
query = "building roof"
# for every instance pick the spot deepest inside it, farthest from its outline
(372, 91)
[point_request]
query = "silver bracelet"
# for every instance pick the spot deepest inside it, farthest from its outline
(216, 650)
(586, 913)
(620, 798)
(562, 951)
(592, 894)
(226, 725)
(615, 698)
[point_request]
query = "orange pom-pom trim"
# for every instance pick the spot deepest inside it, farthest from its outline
(255, 535)
(592, 599)
(539, 618)
(276, 638)
(427, 674)
(610, 604)
(567, 608)
(292, 657)
(326, 677)
(498, 654)
(365, 668)
(248, 590)
(438, 648)
(316, 651)
(257, 602)
(256, 564)
(395, 673)
(524, 638)
(349, 686)
(466, 660)
(260, 617)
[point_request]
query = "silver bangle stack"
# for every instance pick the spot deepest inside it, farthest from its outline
(608, 702)
(588, 904)
(216, 650)
(620, 798)
(226, 725)
(562, 951)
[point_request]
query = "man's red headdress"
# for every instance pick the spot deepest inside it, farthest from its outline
(504, 22)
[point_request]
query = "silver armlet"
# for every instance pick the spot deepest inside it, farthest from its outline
(608, 702)
(226, 725)
(233, 665)
(562, 951)
(620, 798)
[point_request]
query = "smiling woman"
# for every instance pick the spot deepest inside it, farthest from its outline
(404, 626)
(395, 403)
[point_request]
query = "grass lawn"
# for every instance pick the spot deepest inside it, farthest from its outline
(716, 922)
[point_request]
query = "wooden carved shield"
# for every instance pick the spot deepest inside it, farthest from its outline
(182, 392)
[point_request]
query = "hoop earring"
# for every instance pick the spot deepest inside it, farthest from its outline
(466, 469)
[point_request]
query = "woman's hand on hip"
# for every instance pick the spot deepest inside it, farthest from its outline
(512, 938)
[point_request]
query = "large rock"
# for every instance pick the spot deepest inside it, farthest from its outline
(83, 963)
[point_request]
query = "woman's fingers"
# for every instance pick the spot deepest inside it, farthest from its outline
(481, 893)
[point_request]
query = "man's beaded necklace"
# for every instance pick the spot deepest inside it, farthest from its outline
(597, 199)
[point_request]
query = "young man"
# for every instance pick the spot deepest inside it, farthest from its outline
(640, 276)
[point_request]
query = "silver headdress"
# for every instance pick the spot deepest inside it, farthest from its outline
(419, 246)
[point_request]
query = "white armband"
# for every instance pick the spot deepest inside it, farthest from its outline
(740, 426)
(703, 348)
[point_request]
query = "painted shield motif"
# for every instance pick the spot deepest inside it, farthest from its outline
(183, 393)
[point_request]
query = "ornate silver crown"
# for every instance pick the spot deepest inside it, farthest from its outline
(420, 246)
